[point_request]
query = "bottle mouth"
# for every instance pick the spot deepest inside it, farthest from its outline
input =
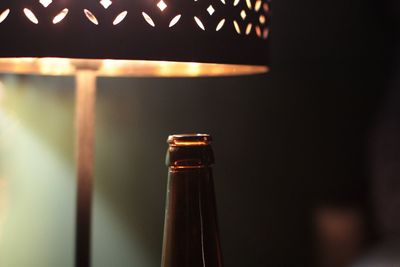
(189, 151)
(189, 140)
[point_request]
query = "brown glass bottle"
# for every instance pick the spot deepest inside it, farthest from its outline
(191, 236)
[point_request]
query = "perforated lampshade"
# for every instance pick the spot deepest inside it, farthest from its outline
(135, 37)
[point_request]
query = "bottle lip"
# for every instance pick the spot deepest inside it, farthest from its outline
(189, 140)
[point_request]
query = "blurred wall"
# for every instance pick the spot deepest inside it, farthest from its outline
(284, 143)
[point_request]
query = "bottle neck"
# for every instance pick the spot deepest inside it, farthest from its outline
(181, 157)
(191, 233)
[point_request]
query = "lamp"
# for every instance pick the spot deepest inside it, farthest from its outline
(161, 38)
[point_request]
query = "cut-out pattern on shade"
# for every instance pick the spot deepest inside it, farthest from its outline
(148, 19)
(106, 3)
(45, 3)
(220, 25)
(175, 20)
(161, 5)
(199, 23)
(210, 10)
(249, 5)
(252, 18)
(121, 16)
(29, 14)
(262, 19)
(248, 29)
(210, 14)
(60, 16)
(257, 5)
(91, 17)
(237, 28)
(258, 31)
(249, 18)
(243, 14)
(163, 12)
(4, 15)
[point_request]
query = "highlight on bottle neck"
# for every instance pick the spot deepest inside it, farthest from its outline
(189, 151)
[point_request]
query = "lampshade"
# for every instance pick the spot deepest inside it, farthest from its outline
(135, 37)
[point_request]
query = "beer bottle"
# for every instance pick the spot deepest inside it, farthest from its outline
(191, 235)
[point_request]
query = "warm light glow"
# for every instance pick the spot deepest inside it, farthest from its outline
(106, 3)
(175, 168)
(29, 14)
(210, 10)
(243, 14)
(266, 7)
(148, 19)
(194, 69)
(189, 143)
(162, 5)
(91, 17)
(248, 2)
(174, 20)
(199, 23)
(120, 18)
(58, 67)
(262, 19)
(4, 15)
(258, 31)
(257, 6)
(265, 33)
(108, 67)
(236, 2)
(248, 29)
(237, 28)
(60, 16)
(45, 3)
(220, 25)
(189, 140)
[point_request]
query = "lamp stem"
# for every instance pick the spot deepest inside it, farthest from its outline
(85, 121)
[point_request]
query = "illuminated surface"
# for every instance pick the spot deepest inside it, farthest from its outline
(61, 66)
(33, 219)
(37, 201)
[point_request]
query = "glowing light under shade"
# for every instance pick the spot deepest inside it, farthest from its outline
(108, 67)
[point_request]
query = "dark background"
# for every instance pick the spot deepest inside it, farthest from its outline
(285, 142)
